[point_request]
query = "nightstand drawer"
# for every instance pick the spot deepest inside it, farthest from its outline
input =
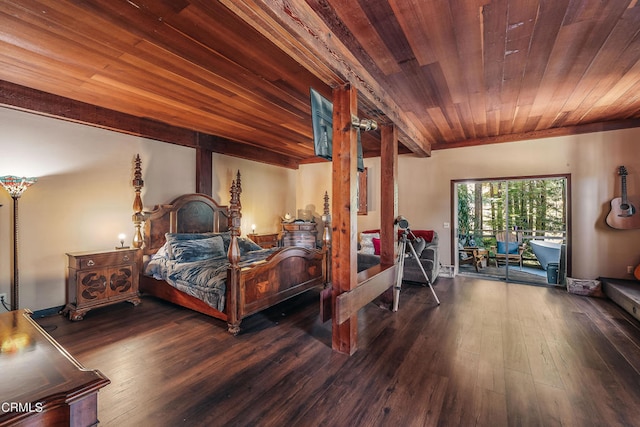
(84, 260)
(269, 240)
(294, 239)
(302, 241)
(302, 234)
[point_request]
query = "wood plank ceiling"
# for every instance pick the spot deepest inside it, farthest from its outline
(447, 73)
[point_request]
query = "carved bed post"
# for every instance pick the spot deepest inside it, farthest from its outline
(138, 216)
(233, 276)
(327, 292)
(326, 236)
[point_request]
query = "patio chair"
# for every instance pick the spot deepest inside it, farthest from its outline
(511, 250)
(473, 256)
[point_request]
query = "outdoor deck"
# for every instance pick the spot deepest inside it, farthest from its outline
(526, 274)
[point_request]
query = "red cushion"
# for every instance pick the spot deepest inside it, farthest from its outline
(371, 231)
(427, 235)
(376, 246)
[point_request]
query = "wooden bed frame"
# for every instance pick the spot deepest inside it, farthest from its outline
(287, 272)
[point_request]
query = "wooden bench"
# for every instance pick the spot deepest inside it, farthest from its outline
(625, 293)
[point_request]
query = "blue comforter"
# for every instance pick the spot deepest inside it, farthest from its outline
(202, 279)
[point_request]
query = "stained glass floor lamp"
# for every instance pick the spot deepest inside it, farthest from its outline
(15, 186)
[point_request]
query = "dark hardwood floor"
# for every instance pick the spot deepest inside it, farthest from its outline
(492, 354)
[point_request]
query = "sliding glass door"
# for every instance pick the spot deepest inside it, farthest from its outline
(514, 229)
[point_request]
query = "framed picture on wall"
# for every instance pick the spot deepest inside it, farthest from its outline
(362, 192)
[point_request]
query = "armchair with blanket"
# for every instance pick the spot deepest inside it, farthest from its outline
(368, 255)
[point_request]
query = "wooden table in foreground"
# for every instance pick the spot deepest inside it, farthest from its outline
(42, 384)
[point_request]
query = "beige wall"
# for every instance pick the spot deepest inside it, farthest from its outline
(268, 192)
(83, 197)
(424, 187)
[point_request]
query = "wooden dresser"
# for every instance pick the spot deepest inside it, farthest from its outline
(265, 241)
(96, 279)
(42, 384)
(302, 234)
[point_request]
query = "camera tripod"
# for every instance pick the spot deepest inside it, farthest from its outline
(402, 247)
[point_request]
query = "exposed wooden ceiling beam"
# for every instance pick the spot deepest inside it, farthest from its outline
(545, 133)
(46, 104)
(303, 35)
(257, 154)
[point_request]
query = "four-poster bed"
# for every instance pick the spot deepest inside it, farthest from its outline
(254, 278)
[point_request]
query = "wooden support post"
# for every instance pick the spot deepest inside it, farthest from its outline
(388, 193)
(344, 220)
(388, 200)
(204, 164)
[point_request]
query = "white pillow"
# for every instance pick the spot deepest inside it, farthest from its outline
(366, 242)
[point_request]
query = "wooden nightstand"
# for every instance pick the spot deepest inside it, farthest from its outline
(265, 241)
(96, 279)
(302, 234)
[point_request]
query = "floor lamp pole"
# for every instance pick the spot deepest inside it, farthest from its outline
(15, 186)
(15, 286)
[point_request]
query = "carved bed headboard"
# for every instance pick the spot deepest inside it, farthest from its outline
(189, 213)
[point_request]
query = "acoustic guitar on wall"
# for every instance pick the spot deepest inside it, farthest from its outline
(623, 214)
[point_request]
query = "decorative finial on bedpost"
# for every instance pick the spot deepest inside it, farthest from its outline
(326, 218)
(239, 188)
(326, 203)
(138, 216)
(326, 296)
(233, 273)
(235, 220)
